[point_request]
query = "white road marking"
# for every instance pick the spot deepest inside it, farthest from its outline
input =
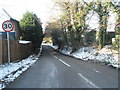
(55, 56)
(96, 71)
(64, 63)
(88, 81)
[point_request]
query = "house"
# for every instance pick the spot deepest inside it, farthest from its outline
(17, 29)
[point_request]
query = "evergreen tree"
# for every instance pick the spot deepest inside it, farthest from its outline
(31, 29)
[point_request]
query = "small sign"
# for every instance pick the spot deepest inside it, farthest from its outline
(117, 28)
(8, 26)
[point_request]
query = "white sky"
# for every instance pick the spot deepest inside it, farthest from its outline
(94, 21)
(16, 9)
(43, 8)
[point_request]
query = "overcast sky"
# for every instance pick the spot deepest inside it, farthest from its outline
(16, 8)
(43, 8)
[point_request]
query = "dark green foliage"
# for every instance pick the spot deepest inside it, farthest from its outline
(116, 42)
(117, 29)
(31, 29)
(90, 37)
(58, 38)
(110, 35)
(73, 24)
(55, 37)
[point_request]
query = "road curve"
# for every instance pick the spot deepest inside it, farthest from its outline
(54, 70)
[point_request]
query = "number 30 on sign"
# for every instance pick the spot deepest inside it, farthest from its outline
(8, 26)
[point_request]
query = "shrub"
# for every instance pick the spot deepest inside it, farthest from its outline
(116, 42)
(31, 29)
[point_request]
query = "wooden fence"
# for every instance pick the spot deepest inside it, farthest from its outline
(18, 50)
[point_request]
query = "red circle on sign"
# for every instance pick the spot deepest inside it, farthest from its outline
(117, 25)
(10, 28)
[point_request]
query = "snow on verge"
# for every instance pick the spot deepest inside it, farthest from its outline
(9, 73)
(106, 55)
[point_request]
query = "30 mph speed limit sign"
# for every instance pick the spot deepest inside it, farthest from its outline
(8, 26)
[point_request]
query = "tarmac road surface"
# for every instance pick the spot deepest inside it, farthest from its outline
(54, 70)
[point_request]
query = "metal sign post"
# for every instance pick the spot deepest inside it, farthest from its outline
(8, 42)
(7, 27)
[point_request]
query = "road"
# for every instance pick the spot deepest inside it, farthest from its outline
(54, 70)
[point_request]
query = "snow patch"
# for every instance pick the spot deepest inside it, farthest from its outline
(85, 53)
(66, 50)
(9, 73)
(24, 42)
(107, 55)
(47, 44)
(55, 46)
